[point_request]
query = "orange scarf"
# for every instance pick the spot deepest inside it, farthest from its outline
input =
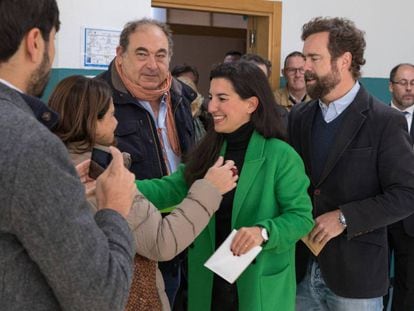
(150, 95)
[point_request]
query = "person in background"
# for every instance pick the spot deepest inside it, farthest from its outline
(270, 206)
(189, 75)
(52, 248)
(186, 71)
(153, 109)
(266, 67)
(232, 56)
(295, 90)
(401, 234)
(87, 120)
(259, 61)
(360, 161)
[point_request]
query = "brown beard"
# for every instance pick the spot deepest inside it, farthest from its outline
(39, 78)
(323, 85)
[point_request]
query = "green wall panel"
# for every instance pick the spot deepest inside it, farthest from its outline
(61, 73)
(376, 86)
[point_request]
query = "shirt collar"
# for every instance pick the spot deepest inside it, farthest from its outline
(294, 100)
(10, 85)
(163, 106)
(339, 105)
(410, 109)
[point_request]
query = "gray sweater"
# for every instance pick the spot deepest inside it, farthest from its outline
(54, 254)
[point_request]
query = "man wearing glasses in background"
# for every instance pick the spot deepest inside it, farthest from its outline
(295, 90)
(401, 233)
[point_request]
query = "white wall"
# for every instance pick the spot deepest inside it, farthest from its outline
(388, 26)
(101, 14)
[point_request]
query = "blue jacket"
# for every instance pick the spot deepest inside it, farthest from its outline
(137, 133)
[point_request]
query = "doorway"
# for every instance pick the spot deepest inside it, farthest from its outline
(263, 28)
(201, 39)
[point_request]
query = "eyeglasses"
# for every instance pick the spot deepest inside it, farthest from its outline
(293, 71)
(404, 82)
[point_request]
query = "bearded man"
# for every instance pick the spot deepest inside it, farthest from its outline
(359, 158)
(54, 254)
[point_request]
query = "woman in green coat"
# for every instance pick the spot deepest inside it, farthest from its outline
(270, 206)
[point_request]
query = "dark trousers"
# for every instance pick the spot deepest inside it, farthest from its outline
(171, 273)
(403, 246)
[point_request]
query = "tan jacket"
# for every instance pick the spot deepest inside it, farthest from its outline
(282, 98)
(159, 238)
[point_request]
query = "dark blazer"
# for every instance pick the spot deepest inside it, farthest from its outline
(369, 175)
(408, 223)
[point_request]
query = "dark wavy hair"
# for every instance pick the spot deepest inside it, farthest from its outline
(248, 80)
(18, 17)
(80, 103)
(343, 37)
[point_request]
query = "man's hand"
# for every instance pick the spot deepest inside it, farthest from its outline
(327, 226)
(223, 177)
(115, 187)
(83, 173)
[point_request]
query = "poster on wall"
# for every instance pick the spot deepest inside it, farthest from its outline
(99, 47)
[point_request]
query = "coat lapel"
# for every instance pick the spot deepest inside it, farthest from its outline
(252, 162)
(350, 126)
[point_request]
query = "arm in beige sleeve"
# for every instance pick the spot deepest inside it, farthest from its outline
(161, 239)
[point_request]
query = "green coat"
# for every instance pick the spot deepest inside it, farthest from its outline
(272, 193)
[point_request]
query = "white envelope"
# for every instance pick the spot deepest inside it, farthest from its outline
(228, 266)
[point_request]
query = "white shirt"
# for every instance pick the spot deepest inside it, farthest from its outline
(11, 86)
(408, 114)
(172, 160)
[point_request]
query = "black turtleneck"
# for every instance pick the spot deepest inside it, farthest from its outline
(225, 294)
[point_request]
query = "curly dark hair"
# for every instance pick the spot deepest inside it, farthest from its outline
(343, 37)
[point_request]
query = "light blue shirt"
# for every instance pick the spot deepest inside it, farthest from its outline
(172, 160)
(334, 109)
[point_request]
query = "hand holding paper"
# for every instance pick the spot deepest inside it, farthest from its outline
(327, 227)
(227, 265)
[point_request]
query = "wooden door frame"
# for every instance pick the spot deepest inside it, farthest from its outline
(266, 16)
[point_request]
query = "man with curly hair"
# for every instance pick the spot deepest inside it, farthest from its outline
(359, 158)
